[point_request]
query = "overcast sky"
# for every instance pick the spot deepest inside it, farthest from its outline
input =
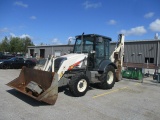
(54, 21)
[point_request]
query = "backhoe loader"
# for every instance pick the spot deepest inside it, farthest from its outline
(89, 63)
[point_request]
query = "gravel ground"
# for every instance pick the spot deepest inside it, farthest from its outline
(128, 100)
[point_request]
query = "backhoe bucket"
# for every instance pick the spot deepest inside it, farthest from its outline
(40, 85)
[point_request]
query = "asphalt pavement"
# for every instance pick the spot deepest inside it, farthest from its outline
(127, 100)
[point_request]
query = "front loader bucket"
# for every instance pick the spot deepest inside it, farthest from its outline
(40, 85)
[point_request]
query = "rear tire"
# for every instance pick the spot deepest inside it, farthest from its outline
(108, 78)
(79, 84)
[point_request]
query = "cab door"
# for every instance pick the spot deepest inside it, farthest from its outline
(99, 52)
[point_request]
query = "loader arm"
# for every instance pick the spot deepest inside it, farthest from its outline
(49, 64)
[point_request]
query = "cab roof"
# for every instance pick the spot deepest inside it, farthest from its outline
(94, 35)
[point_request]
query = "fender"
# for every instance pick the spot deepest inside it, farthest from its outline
(104, 63)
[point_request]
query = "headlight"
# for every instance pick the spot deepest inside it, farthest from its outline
(1, 62)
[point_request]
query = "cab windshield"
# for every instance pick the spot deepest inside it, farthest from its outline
(84, 46)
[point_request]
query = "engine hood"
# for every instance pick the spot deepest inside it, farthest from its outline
(63, 63)
(75, 55)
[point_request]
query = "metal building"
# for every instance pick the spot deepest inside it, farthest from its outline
(143, 54)
(45, 50)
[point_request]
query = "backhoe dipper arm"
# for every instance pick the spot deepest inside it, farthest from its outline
(117, 56)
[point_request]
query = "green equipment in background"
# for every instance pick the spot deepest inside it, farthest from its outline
(132, 73)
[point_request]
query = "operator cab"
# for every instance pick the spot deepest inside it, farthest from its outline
(96, 46)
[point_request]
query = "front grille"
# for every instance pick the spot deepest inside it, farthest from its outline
(58, 62)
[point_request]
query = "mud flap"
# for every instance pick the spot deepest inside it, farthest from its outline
(40, 85)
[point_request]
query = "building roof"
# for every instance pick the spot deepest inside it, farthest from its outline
(51, 46)
(142, 40)
(126, 41)
(134, 41)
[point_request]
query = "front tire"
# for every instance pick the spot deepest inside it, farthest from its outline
(79, 84)
(108, 78)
